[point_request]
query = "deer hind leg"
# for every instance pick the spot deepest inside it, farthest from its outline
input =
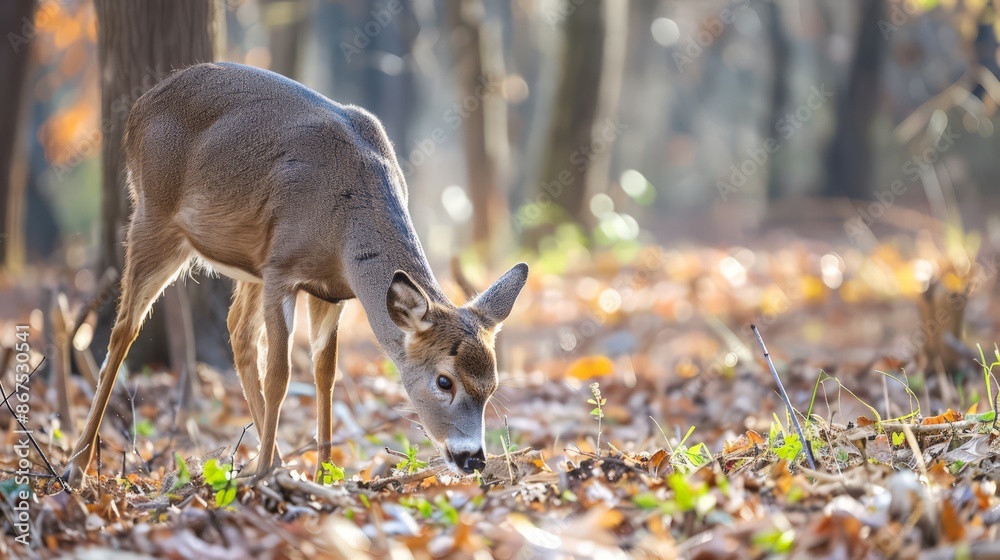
(246, 323)
(324, 320)
(279, 322)
(154, 255)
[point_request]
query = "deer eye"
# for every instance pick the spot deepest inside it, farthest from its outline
(444, 383)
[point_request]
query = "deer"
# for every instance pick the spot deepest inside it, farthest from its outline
(268, 182)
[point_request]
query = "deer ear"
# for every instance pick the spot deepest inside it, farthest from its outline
(407, 303)
(495, 303)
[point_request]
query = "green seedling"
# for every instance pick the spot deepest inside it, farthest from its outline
(598, 411)
(220, 478)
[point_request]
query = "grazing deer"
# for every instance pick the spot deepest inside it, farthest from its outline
(276, 186)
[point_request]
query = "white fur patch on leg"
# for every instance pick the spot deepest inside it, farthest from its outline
(325, 331)
(288, 309)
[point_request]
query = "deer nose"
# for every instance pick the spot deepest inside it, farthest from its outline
(471, 462)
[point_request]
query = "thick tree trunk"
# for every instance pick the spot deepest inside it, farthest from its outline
(848, 159)
(480, 73)
(15, 19)
(139, 44)
(576, 163)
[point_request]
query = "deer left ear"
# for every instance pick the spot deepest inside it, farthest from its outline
(494, 305)
(407, 303)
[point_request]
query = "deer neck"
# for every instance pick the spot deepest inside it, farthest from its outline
(379, 245)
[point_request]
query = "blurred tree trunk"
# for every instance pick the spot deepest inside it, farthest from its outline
(369, 69)
(479, 70)
(527, 59)
(15, 15)
(848, 158)
(578, 151)
(780, 59)
(285, 22)
(986, 45)
(139, 44)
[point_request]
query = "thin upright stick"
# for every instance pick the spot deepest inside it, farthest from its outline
(788, 404)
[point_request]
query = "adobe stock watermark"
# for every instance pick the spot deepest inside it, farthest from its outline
(557, 12)
(365, 34)
(859, 228)
(453, 118)
(530, 213)
(900, 14)
(710, 32)
(89, 142)
(786, 127)
(29, 26)
(19, 401)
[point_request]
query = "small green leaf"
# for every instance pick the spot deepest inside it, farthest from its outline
(217, 476)
(225, 496)
(183, 475)
(775, 541)
(683, 494)
(448, 512)
(145, 428)
(985, 417)
(646, 500)
(898, 438)
(790, 449)
(331, 473)
(411, 464)
(425, 508)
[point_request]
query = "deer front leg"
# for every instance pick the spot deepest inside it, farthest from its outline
(279, 323)
(324, 321)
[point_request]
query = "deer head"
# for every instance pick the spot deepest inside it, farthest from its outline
(449, 366)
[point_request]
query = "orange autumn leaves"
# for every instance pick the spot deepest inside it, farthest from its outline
(947, 417)
(590, 366)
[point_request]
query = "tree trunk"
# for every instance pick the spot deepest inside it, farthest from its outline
(15, 17)
(985, 47)
(578, 151)
(374, 72)
(285, 21)
(780, 59)
(848, 159)
(479, 69)
(139, 44)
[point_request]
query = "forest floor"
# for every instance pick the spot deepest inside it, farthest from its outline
(690, 453)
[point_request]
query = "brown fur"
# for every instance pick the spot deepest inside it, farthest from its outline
(288, 191)
(474, 361)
